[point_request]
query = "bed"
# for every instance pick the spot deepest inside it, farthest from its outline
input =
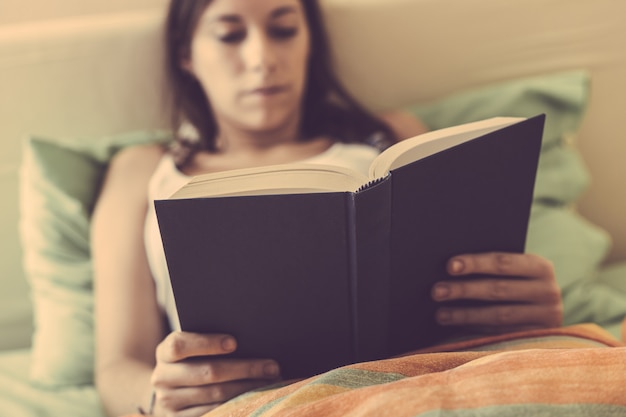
(76, 90)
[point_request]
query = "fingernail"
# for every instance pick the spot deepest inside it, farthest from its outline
(271, 369)
(456, 266)
(444, 316)
(229, 344)
(441, 292)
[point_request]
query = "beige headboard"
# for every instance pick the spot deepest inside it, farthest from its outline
(394, 52)
(101, 74)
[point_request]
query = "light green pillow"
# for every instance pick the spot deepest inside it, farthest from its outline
(562, 97)
(60, 181)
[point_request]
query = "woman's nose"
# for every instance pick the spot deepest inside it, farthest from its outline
(259, 53)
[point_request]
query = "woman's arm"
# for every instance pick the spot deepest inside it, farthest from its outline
(135, 361)
(129, 325)
(403, 124)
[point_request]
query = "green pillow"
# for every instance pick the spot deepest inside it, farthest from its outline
(60, 182)
(562, 97)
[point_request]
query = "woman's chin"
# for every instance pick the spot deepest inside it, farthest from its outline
(270, 123)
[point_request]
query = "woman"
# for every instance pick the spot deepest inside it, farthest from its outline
(252, 86)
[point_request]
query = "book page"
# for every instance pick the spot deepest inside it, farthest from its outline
(275, 179)
(421, 146)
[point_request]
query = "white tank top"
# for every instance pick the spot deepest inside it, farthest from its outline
(166, 179)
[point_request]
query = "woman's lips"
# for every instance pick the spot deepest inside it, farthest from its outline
(268, 91)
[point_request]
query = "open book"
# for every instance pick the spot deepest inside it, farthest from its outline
(310, 178)
(318, 266)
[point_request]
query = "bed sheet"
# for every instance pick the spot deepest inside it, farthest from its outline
(20, 398)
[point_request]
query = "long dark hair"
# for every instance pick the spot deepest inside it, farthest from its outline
(328, 109)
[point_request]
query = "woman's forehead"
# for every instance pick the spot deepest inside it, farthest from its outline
(267, 9)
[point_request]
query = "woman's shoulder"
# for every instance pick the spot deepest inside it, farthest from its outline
(138, 160)
(404, 124)
(123, 199)
(137, 156)
(131, 168)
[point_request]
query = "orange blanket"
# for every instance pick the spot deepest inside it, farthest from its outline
(574, 371)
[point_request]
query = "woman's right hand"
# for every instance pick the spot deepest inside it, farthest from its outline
(191, 377)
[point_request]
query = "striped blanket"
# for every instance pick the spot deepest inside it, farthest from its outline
(573, 371)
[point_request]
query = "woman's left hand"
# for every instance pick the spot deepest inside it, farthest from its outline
(521, 291)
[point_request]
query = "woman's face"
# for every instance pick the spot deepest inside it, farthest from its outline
(251, 57)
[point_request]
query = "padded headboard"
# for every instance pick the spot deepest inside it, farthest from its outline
(77, 78)
(394, 52)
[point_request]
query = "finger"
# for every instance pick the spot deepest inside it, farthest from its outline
(178, 346)
(212, 371)
(502, 264)
(517, 290)
(501, 316)
(183, 398)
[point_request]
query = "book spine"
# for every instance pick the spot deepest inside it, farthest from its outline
(372, 183)
(353, 271)
(372, 243)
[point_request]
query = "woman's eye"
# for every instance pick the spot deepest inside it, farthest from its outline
(283, 32)
(232, 37)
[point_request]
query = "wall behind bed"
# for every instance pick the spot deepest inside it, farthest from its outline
(434, 47)
(68, 69)
(19, 11)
